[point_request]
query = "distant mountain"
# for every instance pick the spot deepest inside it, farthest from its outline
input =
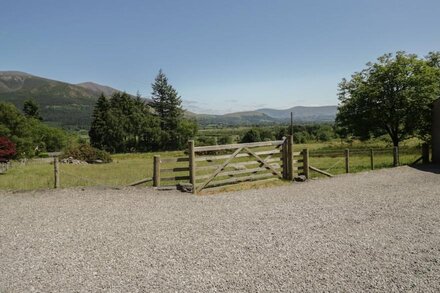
(71, 105)
(302, 113)
(266, 116)
(64, 104)
(97, 88)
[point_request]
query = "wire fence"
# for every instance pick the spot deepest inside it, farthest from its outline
(334, 161)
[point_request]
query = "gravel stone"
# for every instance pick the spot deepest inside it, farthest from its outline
(375, 231)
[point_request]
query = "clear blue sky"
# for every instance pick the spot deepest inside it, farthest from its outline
(222, 56)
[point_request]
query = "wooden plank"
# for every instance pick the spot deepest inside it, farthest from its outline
(175, 178)
(320, 171)
(178, 169)
(222, 157)
(238, 172)
(174, 160)
(219, 169)
(264, 162)
(240, 179)
(139, 182)
(236, 165)
(296, 153)
(236, 146)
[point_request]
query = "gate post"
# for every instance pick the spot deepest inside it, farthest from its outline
(156, 171)
(192, 165)
(306, 170)
(290, 157)
(347, 161)
(56, 171)
(285, 156)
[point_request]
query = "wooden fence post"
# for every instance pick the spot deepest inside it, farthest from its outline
(192, 165)
(396, 156)
(285, 156)
(156, 171)
(372, 159)
(425, 153)
(56, 171)
(347, 161)
(306, 170)
(290, 156)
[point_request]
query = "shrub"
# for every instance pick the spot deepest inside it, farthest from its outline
(7, 148)
(85, 152)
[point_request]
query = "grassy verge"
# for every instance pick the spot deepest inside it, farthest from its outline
(128, 168)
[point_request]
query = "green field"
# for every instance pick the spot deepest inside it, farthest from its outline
(128, 168)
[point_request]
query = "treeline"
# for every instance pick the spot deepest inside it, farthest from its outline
(125, 124)
(301, 134)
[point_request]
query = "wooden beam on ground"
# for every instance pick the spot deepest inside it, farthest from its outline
(145, 180)
(320, 171)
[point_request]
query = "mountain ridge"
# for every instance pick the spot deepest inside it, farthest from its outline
(71, 105)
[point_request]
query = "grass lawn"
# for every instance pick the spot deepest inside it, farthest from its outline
(128, 168)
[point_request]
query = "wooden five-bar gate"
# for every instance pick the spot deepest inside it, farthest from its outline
(213, 166)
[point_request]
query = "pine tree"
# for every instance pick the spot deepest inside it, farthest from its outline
(166, 102)
(98, 132)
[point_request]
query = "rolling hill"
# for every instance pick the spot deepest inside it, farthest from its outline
(301, 114)
(71, 105)
(64, 104)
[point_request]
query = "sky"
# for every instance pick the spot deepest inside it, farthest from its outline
(222, 56)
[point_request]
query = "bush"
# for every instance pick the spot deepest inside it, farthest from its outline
(252, 135)
(7, 148)
(86, 152)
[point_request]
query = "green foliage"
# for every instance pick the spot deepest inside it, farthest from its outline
(253, 135)
(392, 96)
(124, 124)
(87, 153)
(31, 109)
(30, 135)
(226, 139)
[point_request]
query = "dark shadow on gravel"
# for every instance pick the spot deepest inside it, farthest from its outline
(431, 168)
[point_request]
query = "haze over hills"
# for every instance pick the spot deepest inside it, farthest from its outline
(301, 114)
(71, 105)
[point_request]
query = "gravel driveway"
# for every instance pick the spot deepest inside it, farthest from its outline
(376, 231)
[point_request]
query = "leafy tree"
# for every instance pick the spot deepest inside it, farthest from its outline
(124, 124)
(392, 96)
(31, 109)
(252, 135)
(29, 135)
